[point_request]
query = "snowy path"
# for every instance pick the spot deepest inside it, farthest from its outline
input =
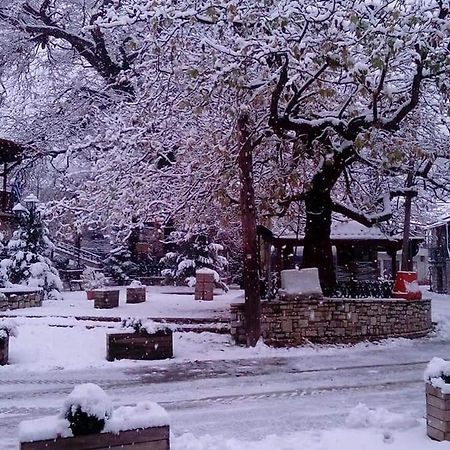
(250, 398)
(214, 388)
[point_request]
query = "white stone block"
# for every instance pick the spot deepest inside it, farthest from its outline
(300, 282)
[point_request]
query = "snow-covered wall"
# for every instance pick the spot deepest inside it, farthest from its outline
(331, 320)
(12, 299)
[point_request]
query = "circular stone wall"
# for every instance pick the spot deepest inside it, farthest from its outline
(329, 320)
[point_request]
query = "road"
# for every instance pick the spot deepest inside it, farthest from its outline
(248, 398)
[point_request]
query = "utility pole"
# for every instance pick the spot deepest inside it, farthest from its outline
(409, 194)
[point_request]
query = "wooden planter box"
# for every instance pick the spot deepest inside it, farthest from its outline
(4, 350)
(438, 413)
(156, 438)
(104, 299)
(136, 294)
(139, 345)
(90, 294)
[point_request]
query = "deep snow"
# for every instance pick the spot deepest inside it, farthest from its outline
(222, 397)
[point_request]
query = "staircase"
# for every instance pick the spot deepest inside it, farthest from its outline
(87, 258)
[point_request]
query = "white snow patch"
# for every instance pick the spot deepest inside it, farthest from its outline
(363, 417)
(143, 415)
(301, 282)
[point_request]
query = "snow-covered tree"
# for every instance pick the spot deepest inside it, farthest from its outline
(268, 103)
(192, 251)
(119, 265)
(28, 254)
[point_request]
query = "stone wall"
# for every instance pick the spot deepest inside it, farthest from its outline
(19, 300)
(288, 323)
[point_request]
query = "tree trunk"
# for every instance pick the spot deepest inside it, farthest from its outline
(317, 250)
(249, 242)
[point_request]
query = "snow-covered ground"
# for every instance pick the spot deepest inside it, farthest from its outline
(223, 397)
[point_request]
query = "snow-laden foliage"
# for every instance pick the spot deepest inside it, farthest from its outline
(121, 86)
(145, 326)
(93, 279)
(119, 266)
(4, 280)
(192, 251)
(8, 327)
(28, 254)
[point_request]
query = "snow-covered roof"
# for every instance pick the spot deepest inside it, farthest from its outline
(355, 230)
(19, 208)
(31, 199)
(441, 221)
(443, 215)
(350, 230)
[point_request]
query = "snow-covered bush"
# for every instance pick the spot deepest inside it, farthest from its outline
(438, 373)
(119, 265)
(144, 326)
(27, 259)
(93, 279)
(8, 328)
(193, 251)
(4, 279)
(87, 408)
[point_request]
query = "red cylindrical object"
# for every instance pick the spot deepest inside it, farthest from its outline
(406, 286)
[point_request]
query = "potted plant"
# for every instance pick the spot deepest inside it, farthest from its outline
(7, 328)
(437, 379)
(87, 421)
(92, 279)
(141, 340)
(136, 292)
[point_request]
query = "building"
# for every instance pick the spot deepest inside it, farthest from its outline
(356, 251)
(439, 255)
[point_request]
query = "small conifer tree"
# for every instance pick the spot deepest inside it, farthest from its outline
(28, 253)
(192, 251)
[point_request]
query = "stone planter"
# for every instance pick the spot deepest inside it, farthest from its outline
(140, 345)
(136, 294)
(438, 413)
(154, 438)
(106, 299)
(4, 350)
(204, 285)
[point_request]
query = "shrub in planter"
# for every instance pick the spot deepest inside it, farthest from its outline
(7, 328)
(437, 379)
(136, 292)
(86, 409)
(87, 421)
(143, 340)
(93, 279)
